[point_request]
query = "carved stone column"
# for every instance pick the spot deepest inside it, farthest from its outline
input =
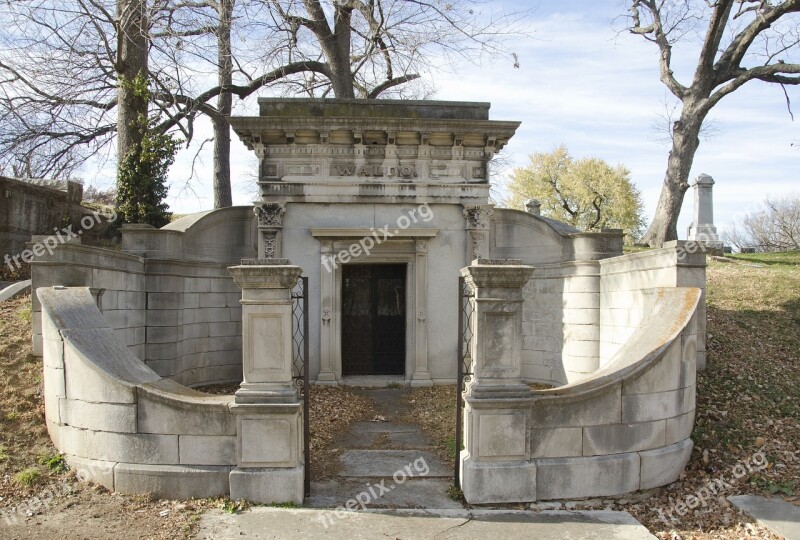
(421, 375)
(479, 219)
(270, 223)
(270, 464)
(495, 464)
(328, 291)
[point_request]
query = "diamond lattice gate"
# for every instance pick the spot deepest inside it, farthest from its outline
(300, 367)
(466, 312)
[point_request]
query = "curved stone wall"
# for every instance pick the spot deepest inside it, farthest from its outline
(168, 295)
(116, 420)
(622, 428)
(627, 426)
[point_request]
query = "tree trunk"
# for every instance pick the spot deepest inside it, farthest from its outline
(132, 45)
(337, 52)
(685, 141)
(222, 133)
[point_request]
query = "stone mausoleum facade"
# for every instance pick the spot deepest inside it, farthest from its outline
(382, 206)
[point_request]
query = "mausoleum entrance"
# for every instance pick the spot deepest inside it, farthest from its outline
(373, 319)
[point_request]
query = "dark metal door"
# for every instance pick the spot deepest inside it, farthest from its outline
(373, 319)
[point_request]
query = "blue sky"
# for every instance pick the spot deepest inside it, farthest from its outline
(585, 84)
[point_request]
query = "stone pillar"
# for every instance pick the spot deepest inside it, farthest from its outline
(270, 224)
(421, 375)
(702, 229)
(269, 421)
(479, 219)
(534, 207)
(495, 464)
(329, 354)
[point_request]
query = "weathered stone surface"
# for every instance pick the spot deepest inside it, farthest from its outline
(207, 450)
(664, 465)
(267, 486)
(621, 438)
(505, 482)
(111, 417)
(93, 470)
(167, 407)
(171, 481)
(602, 409)
(561, 478)
(679, 428)
(556, 442)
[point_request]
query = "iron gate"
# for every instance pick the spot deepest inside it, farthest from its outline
(466, 311)
(300, 367)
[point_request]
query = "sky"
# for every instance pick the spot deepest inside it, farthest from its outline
(584, 83)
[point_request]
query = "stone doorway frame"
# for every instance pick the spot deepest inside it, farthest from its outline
(407, 246)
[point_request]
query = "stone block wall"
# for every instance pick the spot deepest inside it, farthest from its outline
(623, 428)
(117, 421)
(561, 314)
(116, 279)
(181, 317)
(28, 209)
(627, 426)
(625, 279)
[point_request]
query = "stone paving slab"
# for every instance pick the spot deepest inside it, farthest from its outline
(382, 427)
(416, 493)
(780, 517)
(292, 524)
(384, 463)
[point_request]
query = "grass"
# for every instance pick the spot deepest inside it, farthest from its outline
(54, 462)
(23, 435)
(28, 477)
(234, 507)
(25, 314)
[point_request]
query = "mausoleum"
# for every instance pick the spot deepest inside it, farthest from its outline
(383, 208)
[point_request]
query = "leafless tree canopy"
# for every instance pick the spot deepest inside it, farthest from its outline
(59, 62)
(775, 227)
(736, 41)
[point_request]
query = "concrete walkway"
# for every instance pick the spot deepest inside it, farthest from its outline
(386, 463)
(778, 516)
(397, 487)
(288, 524)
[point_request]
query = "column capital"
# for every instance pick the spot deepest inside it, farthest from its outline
(269, 214)
(266, 274)
(497, 274)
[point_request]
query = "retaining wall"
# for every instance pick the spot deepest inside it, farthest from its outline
(117, 421)
(181, 316)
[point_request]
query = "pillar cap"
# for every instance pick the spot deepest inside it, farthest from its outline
(497, 276)
(703, 180)
(266, 275)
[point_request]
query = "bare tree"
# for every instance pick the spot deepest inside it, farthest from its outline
(775, 227)
(347, 48)
(743, 41)
(131, 68)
